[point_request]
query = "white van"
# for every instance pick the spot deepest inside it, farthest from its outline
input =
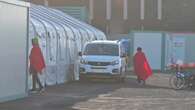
(103, 58)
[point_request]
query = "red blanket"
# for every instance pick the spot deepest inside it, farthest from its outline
(141, 66)
(190, 65)
(36, 59)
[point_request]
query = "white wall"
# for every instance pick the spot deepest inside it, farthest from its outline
(151, 43)
(13, 41)
(183, 50)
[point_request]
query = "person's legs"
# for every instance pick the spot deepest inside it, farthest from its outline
(34, 81)
(138, 80)
(141, 81)
(39, 82)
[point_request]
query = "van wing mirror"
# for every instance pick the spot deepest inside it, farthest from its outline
(80, 53)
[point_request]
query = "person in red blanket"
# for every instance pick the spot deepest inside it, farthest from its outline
(141, 67)
(37, 64)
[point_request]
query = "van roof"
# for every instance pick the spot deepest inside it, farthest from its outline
(104, 42)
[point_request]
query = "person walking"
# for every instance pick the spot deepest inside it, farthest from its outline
(141, 66)
(37, 64)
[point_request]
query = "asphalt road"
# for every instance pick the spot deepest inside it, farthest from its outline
(108, 95)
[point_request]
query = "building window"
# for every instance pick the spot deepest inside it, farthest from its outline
(142, 9)
(108, 9)
(46, 3)
(91, 9)
(125, 9)
(159, 12)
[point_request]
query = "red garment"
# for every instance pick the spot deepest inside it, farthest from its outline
(141, 66)
(37, 62)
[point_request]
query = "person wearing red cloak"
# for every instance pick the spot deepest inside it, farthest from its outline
(37, 64)
(141, 66)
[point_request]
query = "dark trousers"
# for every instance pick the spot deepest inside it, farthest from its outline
(36, 80)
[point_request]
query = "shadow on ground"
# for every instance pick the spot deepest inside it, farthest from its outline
(64, 97)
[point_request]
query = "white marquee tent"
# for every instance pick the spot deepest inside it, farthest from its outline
(61, 37)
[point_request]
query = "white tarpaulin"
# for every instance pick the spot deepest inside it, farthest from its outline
(61, 37)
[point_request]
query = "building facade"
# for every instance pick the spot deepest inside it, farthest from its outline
(122, 16)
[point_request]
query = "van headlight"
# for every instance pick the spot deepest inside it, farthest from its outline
(82, 61)
(116, 62)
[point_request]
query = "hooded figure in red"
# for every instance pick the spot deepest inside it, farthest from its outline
(141, 66)
(36, 58)
(37, 63)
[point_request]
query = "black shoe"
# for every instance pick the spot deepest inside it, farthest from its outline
(142, 82)
(33, 91)
(138, 81)
(41, 90)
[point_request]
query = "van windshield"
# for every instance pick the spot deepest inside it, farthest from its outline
(102, 49)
